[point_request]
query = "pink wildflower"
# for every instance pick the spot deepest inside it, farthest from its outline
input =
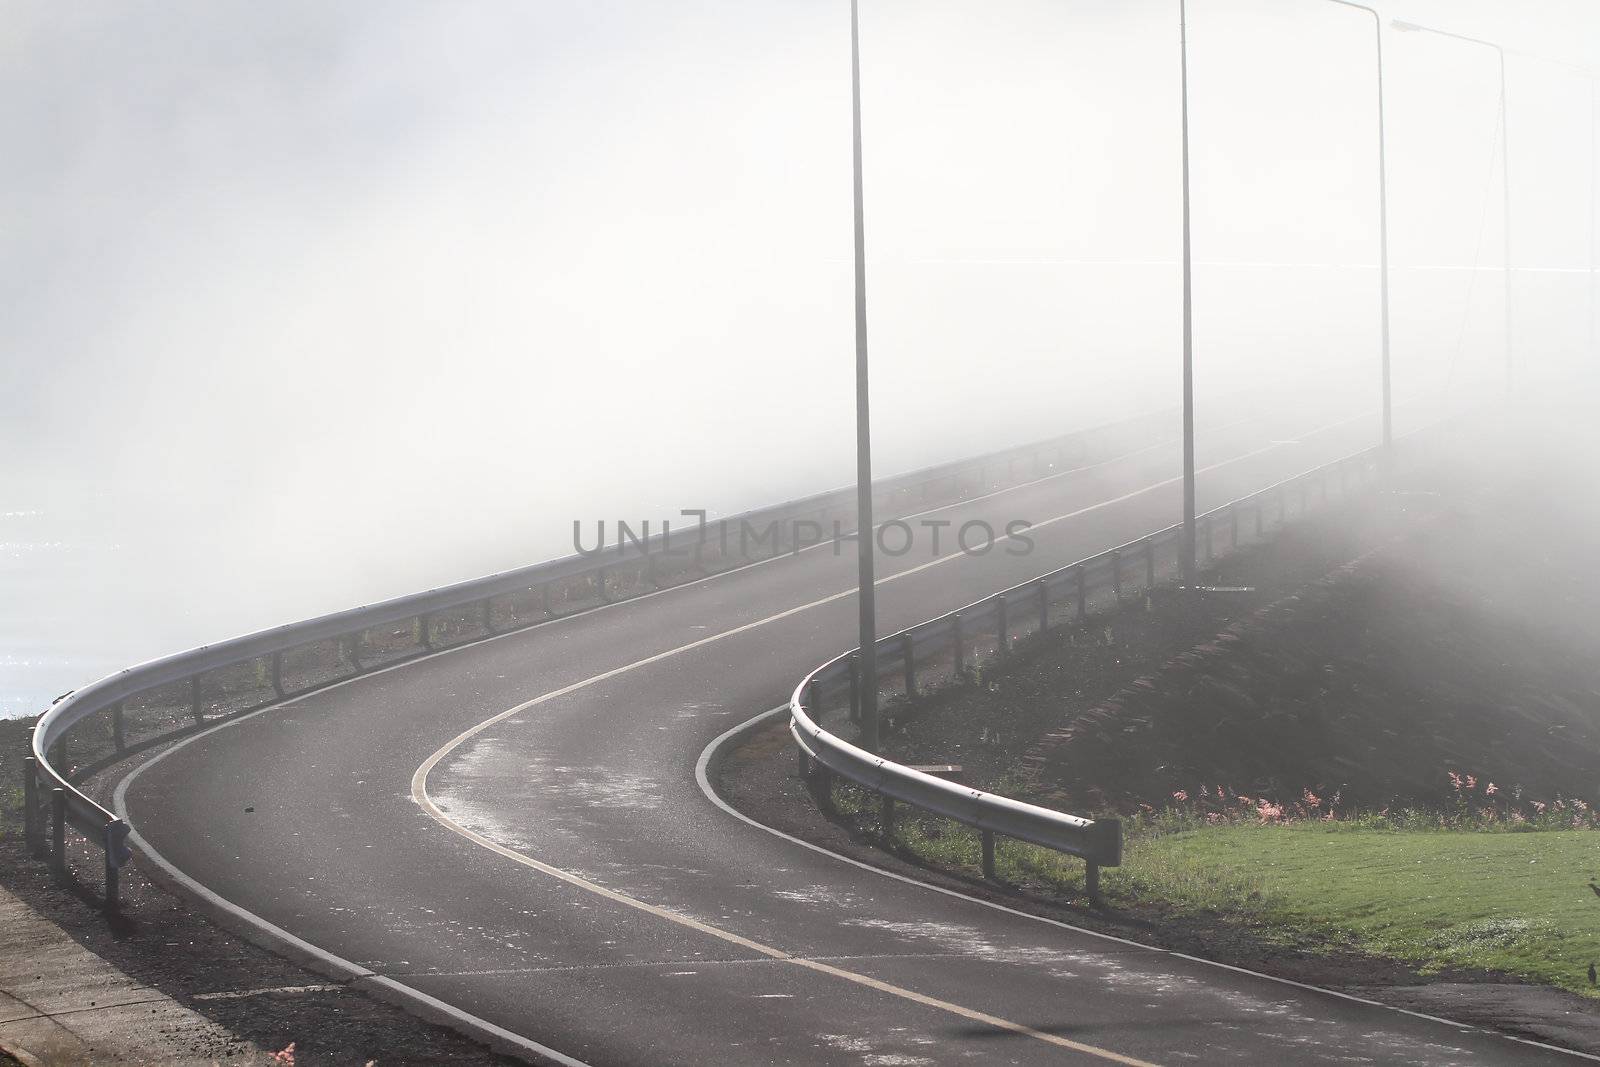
(1268, 811)
(1312, 798)
(285, 1057)
(1472, 782)
(1491, 789)
(1538, 807)
(1455, 781)
(1180, 795)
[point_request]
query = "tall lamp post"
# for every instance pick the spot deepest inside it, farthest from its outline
(867, 663)
(1594, 211)
(1505, 165)
(1383, 224)
(1188, 544)
(1187, 563)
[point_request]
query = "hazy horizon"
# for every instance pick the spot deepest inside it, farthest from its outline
(312, 306)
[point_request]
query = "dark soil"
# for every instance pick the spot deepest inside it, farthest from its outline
(1376, 654)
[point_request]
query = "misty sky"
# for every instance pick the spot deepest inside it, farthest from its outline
(311, 304)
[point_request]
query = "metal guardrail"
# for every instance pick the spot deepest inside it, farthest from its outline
(165, 698)
(949, 648)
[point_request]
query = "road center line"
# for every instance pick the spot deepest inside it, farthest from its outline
(419, 788)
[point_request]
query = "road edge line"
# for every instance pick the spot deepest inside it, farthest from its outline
(702, 778)
(265, 934)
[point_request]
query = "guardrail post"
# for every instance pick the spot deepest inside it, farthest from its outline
(58, 831)
(1149, 563)
(544, 599)
(855, 687)
(1002, 628)
(277, 673)
(488, 614)
(1116, 575)
(908, 655)
(1091, 881)
(988, 854)
(959, 643)
(194, 700)
(115, 833)
(600, 585)
(1083, 594)
(886, 817)
(32, 833)
(352, 648)
(425, 630)
(1044, 605)
(119, 735)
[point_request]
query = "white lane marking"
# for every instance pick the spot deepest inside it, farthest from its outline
(703, 778)
(420, 794)
(419, 779)
(474, 1024)
(338, 964)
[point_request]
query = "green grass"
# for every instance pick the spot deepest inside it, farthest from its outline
(1512, 902)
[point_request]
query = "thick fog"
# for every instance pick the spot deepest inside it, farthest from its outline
(309, 305)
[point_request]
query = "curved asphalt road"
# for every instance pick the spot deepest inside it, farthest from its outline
(514, 827)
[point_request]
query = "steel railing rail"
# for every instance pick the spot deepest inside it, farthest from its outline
(949, 647)
(174, 695)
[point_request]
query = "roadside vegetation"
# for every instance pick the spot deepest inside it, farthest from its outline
(1383, 748)
(1500, 888)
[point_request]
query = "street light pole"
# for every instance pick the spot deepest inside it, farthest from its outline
(1505, 168)
(1383, 224)
(1188, 561)
(867, 662)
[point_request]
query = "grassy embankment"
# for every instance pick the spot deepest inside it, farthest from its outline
(1484, 894)
(1355, 731)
